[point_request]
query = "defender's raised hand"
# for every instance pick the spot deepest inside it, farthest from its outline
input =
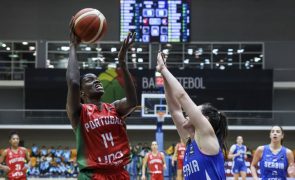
(161, 61)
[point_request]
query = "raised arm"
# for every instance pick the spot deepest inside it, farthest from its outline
(174, 106)
(73, 81)
(175, 111)
(256, 158)
(126, 105)
(204, 130)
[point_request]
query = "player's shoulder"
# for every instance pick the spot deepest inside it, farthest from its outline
(233, 147)
(288, 151)
(4, 152)
(110, 106)
(260, 148)
(23, 149)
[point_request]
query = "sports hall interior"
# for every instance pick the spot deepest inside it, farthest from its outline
(34, 37)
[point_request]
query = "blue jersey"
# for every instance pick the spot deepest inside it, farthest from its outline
(273, 166)
(200, 166)
(239, 161)
(239, 149)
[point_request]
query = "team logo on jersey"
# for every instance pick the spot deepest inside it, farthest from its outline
(274, 173)
(282, 157)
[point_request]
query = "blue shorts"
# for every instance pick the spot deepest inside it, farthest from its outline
(239, 166)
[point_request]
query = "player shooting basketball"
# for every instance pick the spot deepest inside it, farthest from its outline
(102, 143)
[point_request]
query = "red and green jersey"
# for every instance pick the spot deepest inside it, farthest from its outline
(16, 162)
(102, 141)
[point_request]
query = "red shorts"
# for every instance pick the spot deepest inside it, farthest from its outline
(115, 174)
(157, 176)
(22, 178)
(179, 163)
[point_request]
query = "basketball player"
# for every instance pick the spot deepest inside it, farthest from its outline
(178, 156)
(204, 131)
(237, 152)
(274, 158)
(156, 163)
(17, 159)
(102, 142)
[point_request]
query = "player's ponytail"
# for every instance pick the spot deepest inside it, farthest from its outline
(223, 130)
(218, 121)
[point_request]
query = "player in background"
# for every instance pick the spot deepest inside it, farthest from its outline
(100, 129)
(238, 154)
(276, 161)
(16, 158)
(156, 163)
(178, 157)
(204, 130)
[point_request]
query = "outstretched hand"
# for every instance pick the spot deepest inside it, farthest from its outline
(74, 39)
(161, 61)
(129, 40)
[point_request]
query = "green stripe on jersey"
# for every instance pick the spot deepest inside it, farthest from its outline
(80, 148)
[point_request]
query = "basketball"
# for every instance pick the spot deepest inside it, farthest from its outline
(90, 25)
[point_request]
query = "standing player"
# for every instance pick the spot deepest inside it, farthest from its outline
(102, 142)
(15, 158)
(156, 163)
(178, 156)
(237, 152)
(274, 158)
(204, 130)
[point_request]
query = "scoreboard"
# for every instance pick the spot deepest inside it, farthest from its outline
(156, 20)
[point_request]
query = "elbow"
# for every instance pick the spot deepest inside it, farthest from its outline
(181, 94)
(132, 102)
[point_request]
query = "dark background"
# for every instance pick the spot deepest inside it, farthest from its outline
(241, 90)
(212, 20)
